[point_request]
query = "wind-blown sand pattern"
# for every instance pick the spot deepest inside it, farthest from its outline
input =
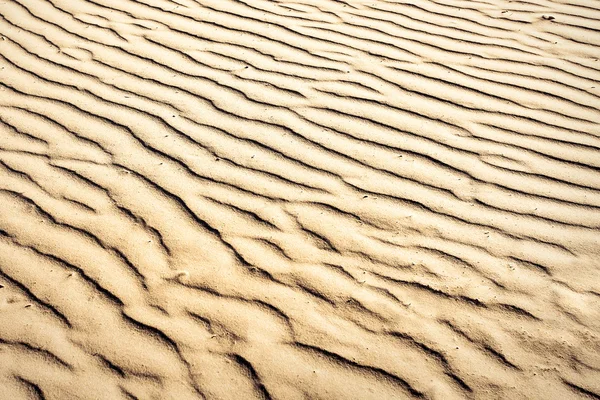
(309, 199)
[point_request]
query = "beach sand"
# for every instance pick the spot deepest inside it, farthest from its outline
(309, 199)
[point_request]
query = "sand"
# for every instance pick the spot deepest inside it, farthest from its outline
(305, 199)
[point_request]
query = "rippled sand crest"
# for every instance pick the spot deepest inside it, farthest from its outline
(309, 199)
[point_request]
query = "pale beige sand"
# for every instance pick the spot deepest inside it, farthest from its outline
(310, 199)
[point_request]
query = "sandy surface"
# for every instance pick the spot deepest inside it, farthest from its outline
(309, 199)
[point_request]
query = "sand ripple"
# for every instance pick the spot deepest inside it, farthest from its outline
(299, 199)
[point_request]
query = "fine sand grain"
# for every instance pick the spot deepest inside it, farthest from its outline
(304, 199)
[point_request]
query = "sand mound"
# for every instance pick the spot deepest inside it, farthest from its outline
(299, 200)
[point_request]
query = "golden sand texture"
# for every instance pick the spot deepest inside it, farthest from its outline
(311, 199)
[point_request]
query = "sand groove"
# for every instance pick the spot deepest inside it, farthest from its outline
(299, 199)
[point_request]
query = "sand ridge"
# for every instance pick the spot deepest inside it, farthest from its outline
(299, 199)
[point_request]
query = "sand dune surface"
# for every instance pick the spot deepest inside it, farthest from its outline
(304, 199)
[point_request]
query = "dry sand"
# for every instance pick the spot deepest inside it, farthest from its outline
(311, 199)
